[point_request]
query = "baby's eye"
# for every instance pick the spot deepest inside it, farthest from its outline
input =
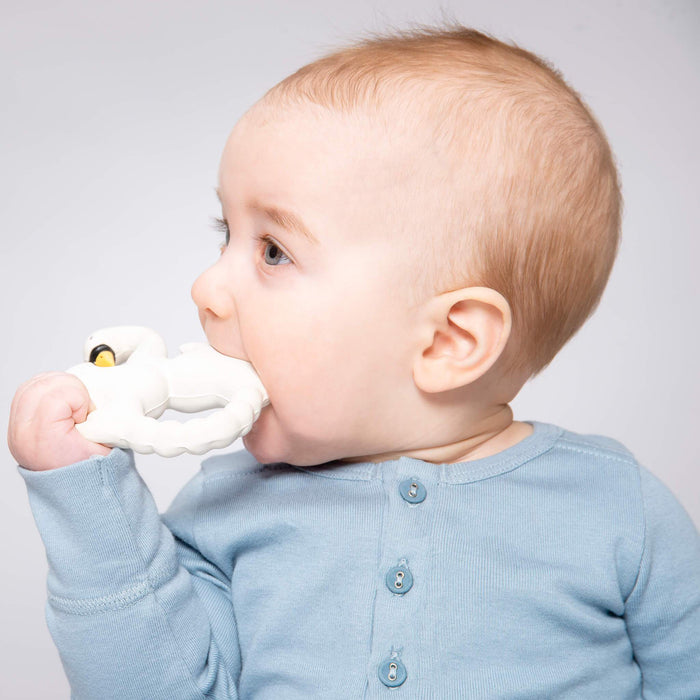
(269, 244)
(277, 257)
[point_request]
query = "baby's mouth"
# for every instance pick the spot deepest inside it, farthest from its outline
(244, 359)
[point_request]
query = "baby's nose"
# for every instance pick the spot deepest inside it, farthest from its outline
(211, 296)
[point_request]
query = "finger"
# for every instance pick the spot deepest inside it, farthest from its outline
(22, 389)
(43, 399)
(71, 400)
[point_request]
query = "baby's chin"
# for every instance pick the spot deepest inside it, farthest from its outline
(262, 441)
(268, 443)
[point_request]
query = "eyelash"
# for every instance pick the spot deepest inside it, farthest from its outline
(221, 225)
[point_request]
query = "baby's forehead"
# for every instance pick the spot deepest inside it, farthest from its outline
(348, 149)
(365, 134)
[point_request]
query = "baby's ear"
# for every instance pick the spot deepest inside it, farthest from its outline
(462, 334)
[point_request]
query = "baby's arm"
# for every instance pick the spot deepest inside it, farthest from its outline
(134, 611)
(663, 610)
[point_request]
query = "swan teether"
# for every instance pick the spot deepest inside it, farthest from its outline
(132, 381)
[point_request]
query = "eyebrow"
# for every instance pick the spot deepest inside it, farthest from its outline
(281, 217)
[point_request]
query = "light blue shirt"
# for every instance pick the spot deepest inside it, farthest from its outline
(557, 568)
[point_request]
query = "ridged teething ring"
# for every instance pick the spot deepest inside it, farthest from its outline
(131, 382)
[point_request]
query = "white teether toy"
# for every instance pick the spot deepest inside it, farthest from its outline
(131, 382)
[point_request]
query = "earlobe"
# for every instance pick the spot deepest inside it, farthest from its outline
(464, 333)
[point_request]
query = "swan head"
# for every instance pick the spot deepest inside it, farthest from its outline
(103, 356)
(122, 341)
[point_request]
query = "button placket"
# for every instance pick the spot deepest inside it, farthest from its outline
(407, 529)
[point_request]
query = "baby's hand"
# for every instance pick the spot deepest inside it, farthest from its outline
(41, 434)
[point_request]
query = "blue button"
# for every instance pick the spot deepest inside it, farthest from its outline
(412, 491)
(392, 672)
(399, 579)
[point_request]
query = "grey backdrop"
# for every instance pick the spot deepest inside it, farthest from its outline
(113, 119)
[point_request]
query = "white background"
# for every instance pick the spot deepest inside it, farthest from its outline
(112, 122)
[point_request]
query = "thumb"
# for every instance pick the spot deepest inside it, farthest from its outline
(80, 402)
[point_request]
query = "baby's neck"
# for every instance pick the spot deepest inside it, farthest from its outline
(495, 434)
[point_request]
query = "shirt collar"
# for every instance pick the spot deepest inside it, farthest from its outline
(542, 439)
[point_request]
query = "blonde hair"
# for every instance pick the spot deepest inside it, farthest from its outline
(529, 185)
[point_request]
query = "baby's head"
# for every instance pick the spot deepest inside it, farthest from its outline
(418, 223)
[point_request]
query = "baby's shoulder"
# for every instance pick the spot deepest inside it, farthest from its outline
(611, 461)
(596, 445)
(218, 474)
(598, 464)
(589, 462)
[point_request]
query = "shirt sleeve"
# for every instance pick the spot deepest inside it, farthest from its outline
(663, 609)
(135, 611)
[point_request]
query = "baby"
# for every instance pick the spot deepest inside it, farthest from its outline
(414, 226)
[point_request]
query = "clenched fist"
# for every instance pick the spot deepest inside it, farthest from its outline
(41, 434)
